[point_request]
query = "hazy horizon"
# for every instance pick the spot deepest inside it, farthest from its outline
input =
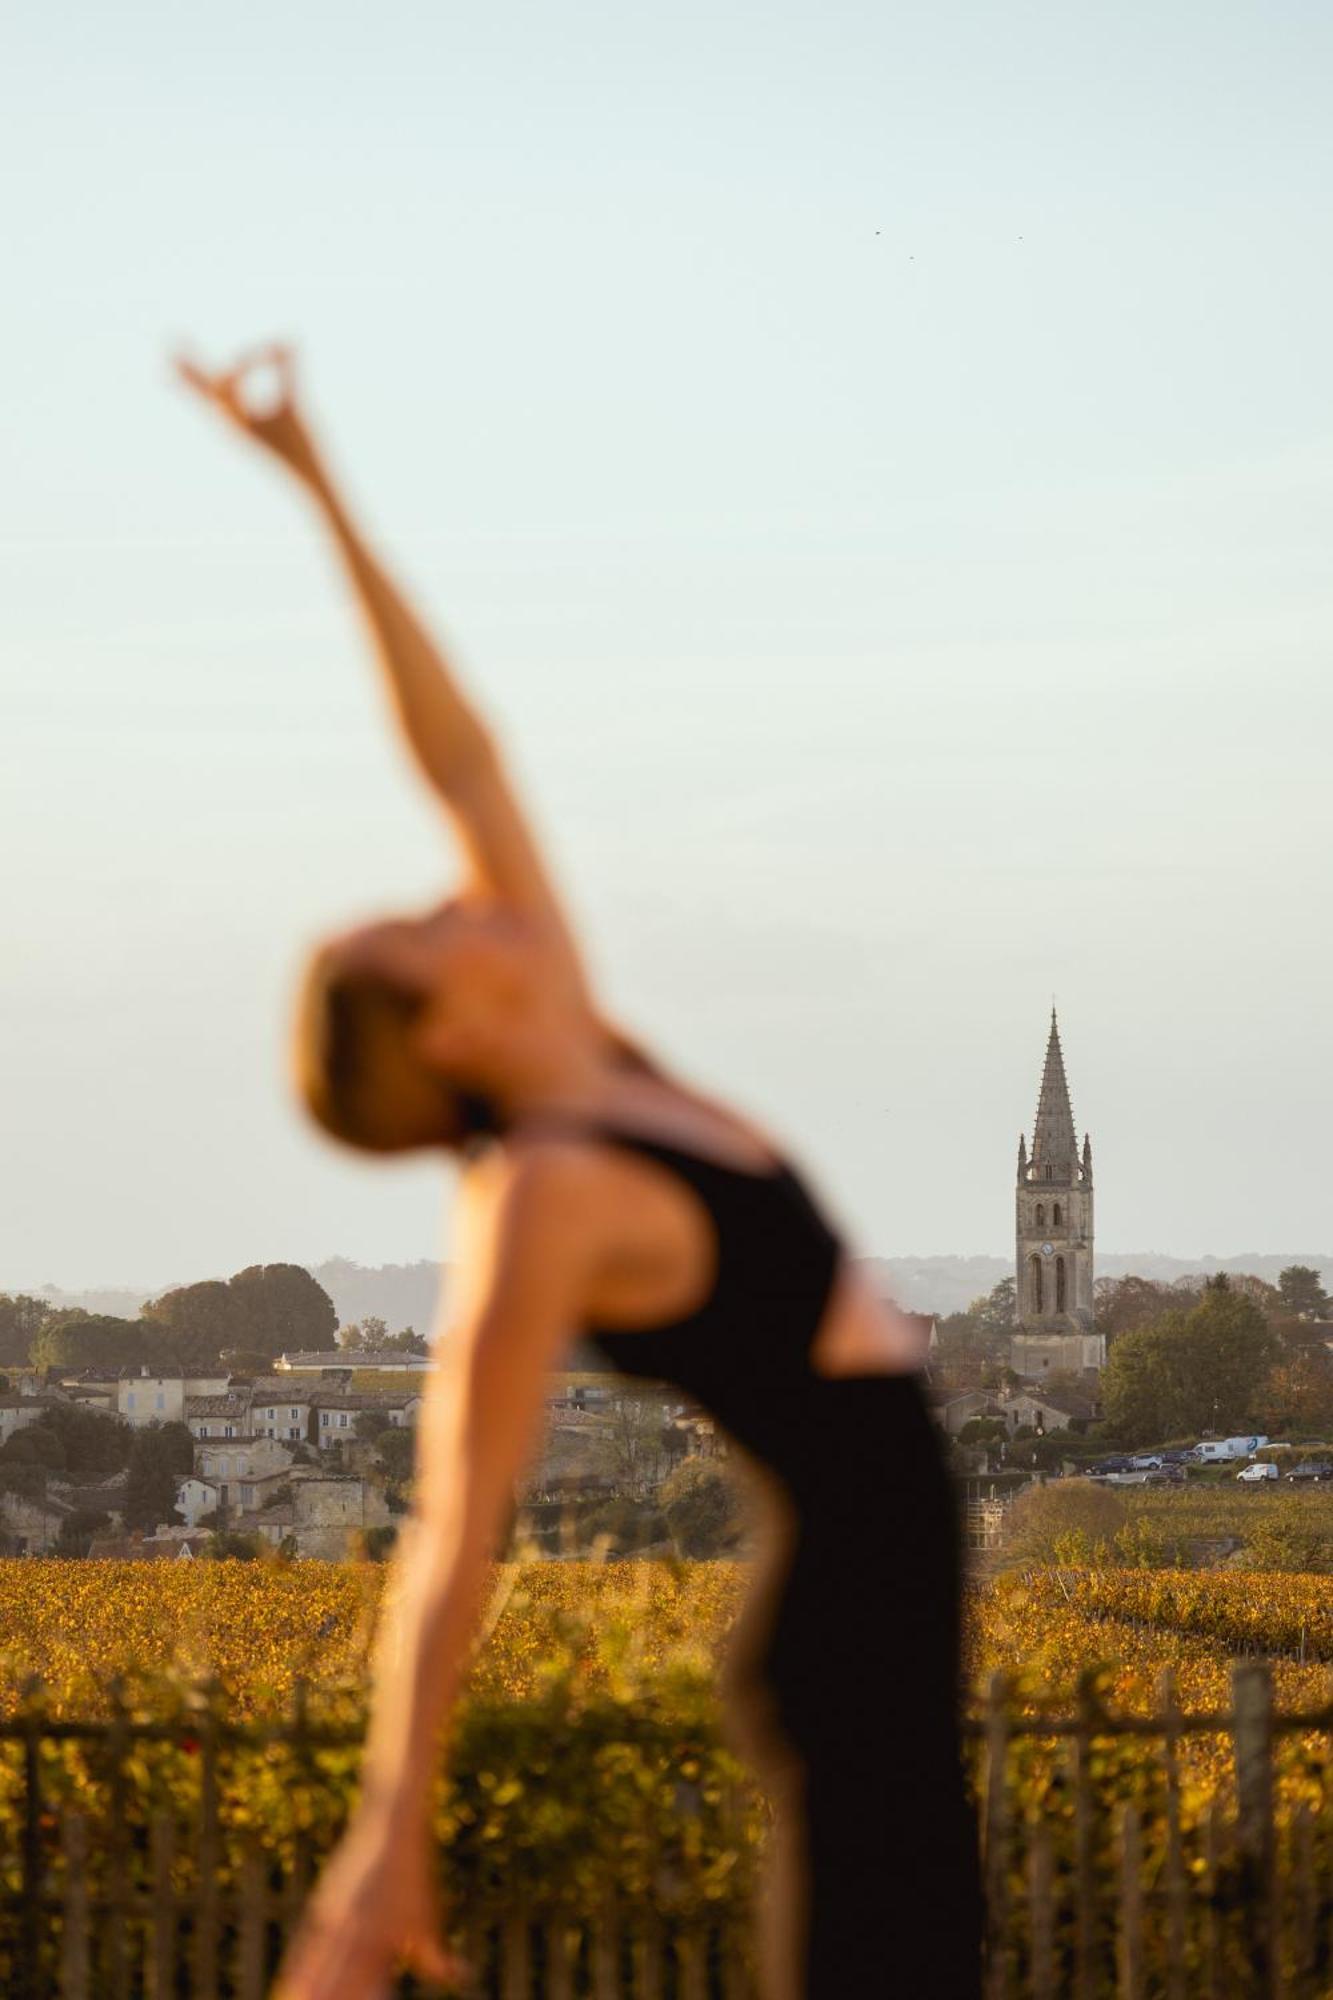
(922, 1274)
(875, 469)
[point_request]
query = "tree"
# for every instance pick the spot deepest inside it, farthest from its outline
(160, 1456)
(198, 1322)
(396, 1453)
(635, 1429)
(245, 1361)
(264, 1309)
(995, 1312)
(1204, 1369)
(363, 1335)
(408, 1341)
(970, 1342)
(240, 1548)
(95, 1445)
(1041, 1518)
(1303, 1292)
(20, 1318)
(984, 1430)
(74, 1340)
(702, 1508)
(1121, 1304)
(78, 1528)
(24, 1476)
(281, 1308)
(1298, 1395)
(371, 1424)
(35, 1445)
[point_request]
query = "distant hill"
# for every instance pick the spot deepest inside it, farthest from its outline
(399, 1294)
(949, 1284)
(408, 1294)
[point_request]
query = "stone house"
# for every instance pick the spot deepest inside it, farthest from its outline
(1050, 1410)
(225, 1416)
(334, 1412)
(18, 1411)
(91, 1391)
(241, 1474)
(325, 1512)
(33, 1522)
(143, 1399)
(280, 1408)
(952, 1412)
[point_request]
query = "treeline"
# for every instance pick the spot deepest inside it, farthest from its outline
(242, 1322)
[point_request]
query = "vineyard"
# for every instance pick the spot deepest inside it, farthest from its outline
(256, 1629)
(198, 1723)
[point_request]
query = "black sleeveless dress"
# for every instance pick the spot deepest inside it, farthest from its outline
(862, 1655)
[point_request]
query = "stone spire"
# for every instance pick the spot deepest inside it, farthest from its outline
(1054, 1143)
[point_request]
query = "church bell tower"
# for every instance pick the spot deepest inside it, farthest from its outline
(1054, 1326)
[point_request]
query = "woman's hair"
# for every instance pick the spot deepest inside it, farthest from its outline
(359, 1075)
(362, 1080)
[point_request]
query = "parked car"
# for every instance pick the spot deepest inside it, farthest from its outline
(1115, 1463)
(1254, 1474)
(1177, 1458)
(1149, 1461)
(1314, 1469)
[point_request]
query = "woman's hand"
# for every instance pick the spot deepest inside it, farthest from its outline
(374, 1910)
(276, 424)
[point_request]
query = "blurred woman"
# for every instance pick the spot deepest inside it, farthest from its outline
(601, 1195)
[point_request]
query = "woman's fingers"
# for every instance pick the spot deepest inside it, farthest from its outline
(224, 385)
(190, 372)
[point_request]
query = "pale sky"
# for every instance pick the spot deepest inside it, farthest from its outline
(874, 462)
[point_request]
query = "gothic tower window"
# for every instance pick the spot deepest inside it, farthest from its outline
(1041, 1214)
(1055, 1215)
(1059, 1284)
(1036, 1284)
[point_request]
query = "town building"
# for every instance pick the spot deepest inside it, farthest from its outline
(143, 1398)
(337, 1359)
(1043, 1410)
(1054, 1333)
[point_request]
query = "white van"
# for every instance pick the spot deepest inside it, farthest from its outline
(1259, 1470)
(1221, 1449)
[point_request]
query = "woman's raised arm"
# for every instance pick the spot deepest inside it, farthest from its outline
(449, 741)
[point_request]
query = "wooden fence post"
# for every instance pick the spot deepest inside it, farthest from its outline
(118, 1878)
(252, 1921)
(605, 1943)
(1085, 1835)
(516, 1956)
(1041, 1881)
(996, 1854)
(1214, 1966)
(691, 1964)
(1252, 1705)
(649, 1957)
(1177, 1884)
(1131, 1905)
(74, 1914)
(1302, 1862)
(30, 1940)
(209, 1855)
(162, 1947)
